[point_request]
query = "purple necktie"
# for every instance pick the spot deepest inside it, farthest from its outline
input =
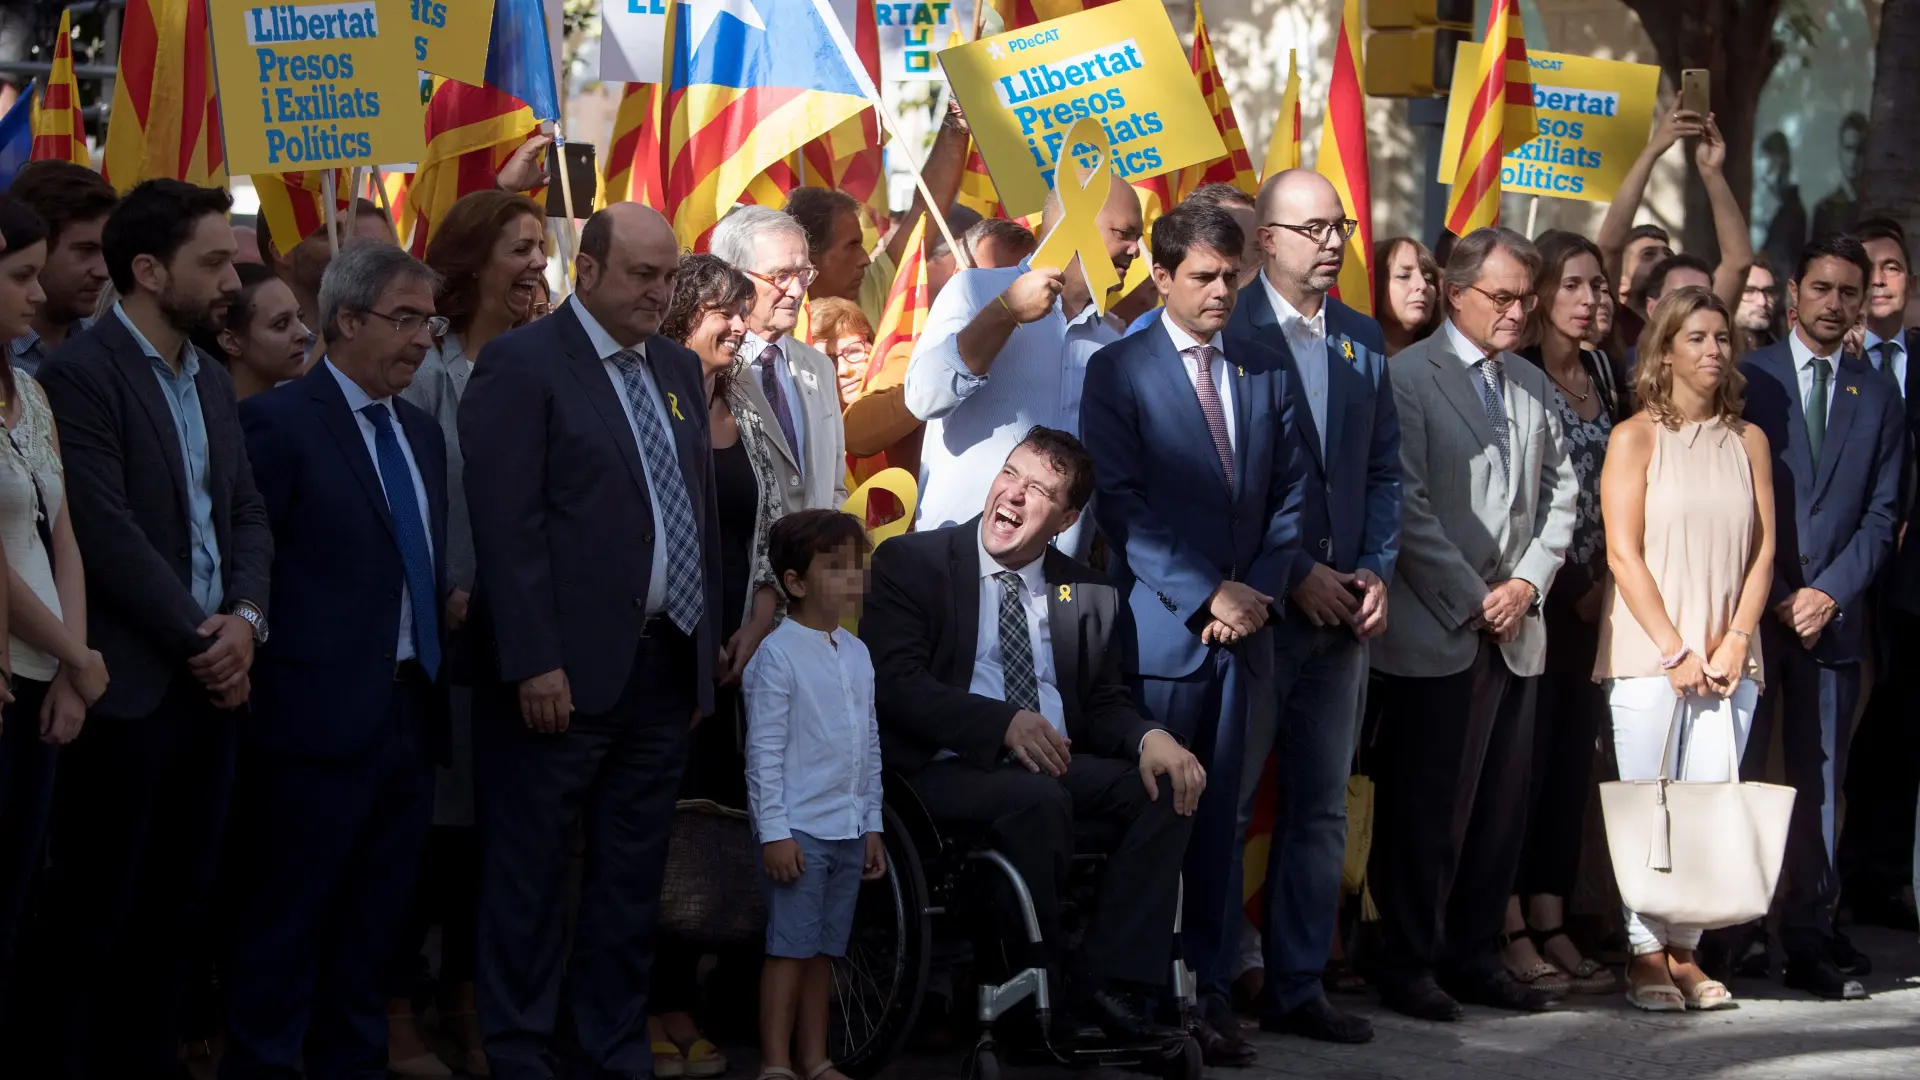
(1209, 396)
(777, 397)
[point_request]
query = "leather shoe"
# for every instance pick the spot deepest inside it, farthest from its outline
(1502, 991)
(1223, 1049)
(1421, 999)
(1849, 960)
(1120, 1017)
(1320, 1021)
(1814, 973)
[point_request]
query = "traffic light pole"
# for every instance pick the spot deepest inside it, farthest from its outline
(1428, 115)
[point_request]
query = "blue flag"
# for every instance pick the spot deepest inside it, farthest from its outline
(16, 137)
(520, 59)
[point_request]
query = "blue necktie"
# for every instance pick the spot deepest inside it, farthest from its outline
(686, 598)
(411, 530)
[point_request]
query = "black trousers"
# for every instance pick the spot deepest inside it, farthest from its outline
(446, 895)
(1570, 709)
(26, 803)
(1029, 818)
(1454, 764)
(617, 772)
(138, 821)
(1883, 772)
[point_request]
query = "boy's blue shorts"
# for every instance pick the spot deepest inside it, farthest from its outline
(814, 915)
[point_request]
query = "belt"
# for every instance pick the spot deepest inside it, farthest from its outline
(410, 671)
(655, 625)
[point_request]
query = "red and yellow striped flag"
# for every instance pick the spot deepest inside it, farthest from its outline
(977, 192)
(633, 158)
(1236, 168)
(905, 316)
(166, 117)
(293, 205)
(1503, 85)
(471, 132)
(1343, 159)
(1283, 150)
(59, 132)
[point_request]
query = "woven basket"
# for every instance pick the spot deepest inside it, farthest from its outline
(711, 893)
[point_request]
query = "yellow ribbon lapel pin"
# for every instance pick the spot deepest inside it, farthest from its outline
(1066, 594)
(1346, 346)
(673, 403)
(1853, 390)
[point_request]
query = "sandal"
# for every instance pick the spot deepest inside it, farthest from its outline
(1656, 997)
(668, 1062)
(703, 1059)
(1710, 995)
(777, 1072)
(1543, 974)
(821, 1070)
(1586, 977)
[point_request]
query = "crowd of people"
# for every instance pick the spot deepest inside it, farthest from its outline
(427, 618)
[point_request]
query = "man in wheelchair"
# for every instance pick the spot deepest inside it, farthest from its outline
(1002, 701)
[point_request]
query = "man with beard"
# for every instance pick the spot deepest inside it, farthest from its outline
(177, 548)
(74, 201)
(1758, 317)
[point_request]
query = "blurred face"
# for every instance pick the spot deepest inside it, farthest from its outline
(249, 241)
(940, 270)
(1492, 312)
(779, 272)
(1892, 284)
(1701, 353)
(274, 344)
(1120, 225)
(76, 272)
(628, 294)
(1301, 238)
(1199, 292)
(1411, 293)
(511, 277)
(1853, 146)
(844, 262)
(1679, 278)
(382, 348)
(851, 355)
(1756, 301)
(366, 225)
(1576, 296)
(20, 292)
(716, 339)
(1827, 301)
(1639, 258)
(1026, 508)
(994, 252)
(193, 288)
(834, 582)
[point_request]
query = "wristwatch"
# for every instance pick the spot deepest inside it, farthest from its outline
(255, 618)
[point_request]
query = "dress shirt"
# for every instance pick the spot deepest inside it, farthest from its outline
(813, 738)
(1144, 320)
(606, 349)
(752, 349)
(1182, 341)
(1307, 340)
(1471, 355)
(358, 399)
(190, 427)
(1874, 357)
(1803, 369)
(989, 678)
(29, 352)
(975, 421)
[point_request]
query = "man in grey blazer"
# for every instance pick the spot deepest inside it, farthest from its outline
(1488, 512)
(790, 382)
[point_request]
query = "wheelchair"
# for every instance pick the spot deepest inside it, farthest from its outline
(935, 884)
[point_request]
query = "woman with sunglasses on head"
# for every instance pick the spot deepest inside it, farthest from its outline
(264, 338)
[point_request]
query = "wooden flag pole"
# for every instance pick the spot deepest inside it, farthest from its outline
(330, 194)
(569, 238)
(380, 194)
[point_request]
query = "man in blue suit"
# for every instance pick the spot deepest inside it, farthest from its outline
(1336, 588)
(336, 770)
(1197, 480)
(1839, 443)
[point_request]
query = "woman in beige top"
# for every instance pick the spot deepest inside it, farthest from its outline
(1687, 493)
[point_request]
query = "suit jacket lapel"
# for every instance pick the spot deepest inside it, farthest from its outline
(1843, 402)
(593, 380)
(1523, 415)
(1170, 369)
(776, 436)
(1341, 358)
(1457, 385)
(1063, 624)
(340, 423)
(137, 368)
(963, 562)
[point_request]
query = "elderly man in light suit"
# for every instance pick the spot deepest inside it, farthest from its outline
(790, 383)
(1488, 513)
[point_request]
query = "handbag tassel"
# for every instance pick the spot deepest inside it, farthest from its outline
(1660, 852)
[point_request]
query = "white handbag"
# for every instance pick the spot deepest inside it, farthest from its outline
(1693, 853)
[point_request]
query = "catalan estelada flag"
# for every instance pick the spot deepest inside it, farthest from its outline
(1343, 159)
(59, 132)
(850, 158)
(166, 118)
(1503, 92)
(633, 158)
(748, 84)
(293, 205)
(977, 192)
(1283, 150)
(1236, 168)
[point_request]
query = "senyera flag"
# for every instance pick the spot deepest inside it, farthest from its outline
(1237, 167)
(59, 131)
(1343, 159)
(293, 205)
(166, 117)
(1503, 91)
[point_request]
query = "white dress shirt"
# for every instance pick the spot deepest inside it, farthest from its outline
(813, 737)
(1874, 357)
(606, 349)
(1307, 340)
(1471, 355)
(752, 348)
(989, 674)
(1803, 368)
(1182, 341)
(358, 399)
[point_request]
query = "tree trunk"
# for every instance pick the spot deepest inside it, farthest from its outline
(1734, 41)
(1890, 185)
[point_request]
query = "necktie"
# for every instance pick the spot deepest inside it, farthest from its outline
(1817, 406)
(1016, 645)
(777, 397)
(1496, 409)
(1888, 349)
(1209, 395)
(416, 557)
(671, 506)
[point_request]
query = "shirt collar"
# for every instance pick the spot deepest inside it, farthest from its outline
(1032, 575)
(1874, 340)
(357, 398)
(1182, 341)
(604, 346)
(1803, 355)
(1284, 312)
(753, 347)
(1469, 353)
(189, 356)
(25, 343)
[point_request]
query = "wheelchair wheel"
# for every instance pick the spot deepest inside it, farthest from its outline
(878, 985)
(1188, 1064)
(983, 1063)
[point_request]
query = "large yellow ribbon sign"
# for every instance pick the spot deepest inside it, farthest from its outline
(1078, 232)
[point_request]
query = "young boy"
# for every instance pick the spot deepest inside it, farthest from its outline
(813, 782)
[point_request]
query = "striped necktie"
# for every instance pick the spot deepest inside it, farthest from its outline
(1209, 395)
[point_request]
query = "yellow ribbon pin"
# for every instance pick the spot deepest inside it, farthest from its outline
(1078, 234)
(1241, 370)
(1853, 390)
(673, 402)
(1346, 346)
(1066, 594)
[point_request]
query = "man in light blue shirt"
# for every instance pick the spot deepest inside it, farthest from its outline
(74, 201)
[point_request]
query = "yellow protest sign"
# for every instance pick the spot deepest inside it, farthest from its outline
(1591, 117)
(1077, 234)
(1119, 66)
(312, 85)
(450, 37)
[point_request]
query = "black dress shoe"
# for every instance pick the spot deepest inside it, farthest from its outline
(1883, 909)
(1849, 960)
(1814, 973)
(1421, 999)
(1223, 1049)
(1502, 991)
(1320, 1021)
(1121, 1018)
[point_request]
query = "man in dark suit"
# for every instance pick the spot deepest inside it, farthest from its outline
(1198, 478)
(1336, 588)
(590, 485)
(1839, 443)
(998, 680)
(177, 549)
(336, 778)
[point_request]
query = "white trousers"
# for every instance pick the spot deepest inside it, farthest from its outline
(1644, 729)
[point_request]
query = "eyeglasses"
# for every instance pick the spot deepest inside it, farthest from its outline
(1503, 301)
(786, 279)
(406, 324)
(1318, 231)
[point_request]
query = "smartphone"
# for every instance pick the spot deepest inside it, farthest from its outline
(583, 176)
(1693, 90)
